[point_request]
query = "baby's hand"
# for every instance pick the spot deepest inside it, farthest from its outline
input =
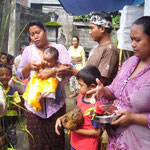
(36, 65)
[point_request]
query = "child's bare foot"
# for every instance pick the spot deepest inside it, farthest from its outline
(73, 95)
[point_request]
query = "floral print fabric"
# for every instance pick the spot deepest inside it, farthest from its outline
(131, 94)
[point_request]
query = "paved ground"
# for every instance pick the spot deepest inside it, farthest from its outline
(23, 137)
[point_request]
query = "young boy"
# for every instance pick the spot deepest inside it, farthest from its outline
(12, 96)
(38, 88)
(87, 135)
(10, 61)
(3, 57)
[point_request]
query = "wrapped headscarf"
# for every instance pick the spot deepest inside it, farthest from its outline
(100, 19)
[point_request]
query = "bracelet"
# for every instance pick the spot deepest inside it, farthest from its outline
(148, 120)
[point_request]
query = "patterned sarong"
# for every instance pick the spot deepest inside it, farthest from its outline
(43, 131)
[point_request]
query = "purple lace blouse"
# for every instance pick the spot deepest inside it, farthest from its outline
(132, 94)
(48, 106)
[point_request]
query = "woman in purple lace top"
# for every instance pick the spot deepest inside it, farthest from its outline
(42, 124)
(130, 91)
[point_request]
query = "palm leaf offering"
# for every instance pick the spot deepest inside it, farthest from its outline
(103, 113)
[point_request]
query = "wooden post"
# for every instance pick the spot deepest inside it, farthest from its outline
(128, 55)
(120, 57)
(67, 19)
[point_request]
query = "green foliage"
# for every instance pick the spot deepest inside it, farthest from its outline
(115, 41)
(26, 130)
(114, 15)
(21, 32)
(83, 18)
(115, 18)
(52, 23)
(1, 84)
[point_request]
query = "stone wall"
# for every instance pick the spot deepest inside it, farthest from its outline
(69, 28)
(65, 32)
(81, 30)
(22, 17)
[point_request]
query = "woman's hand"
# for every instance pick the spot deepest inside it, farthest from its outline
(58, 125)
(128, 118)
(98, 91)
(125, 119)
(36, 65)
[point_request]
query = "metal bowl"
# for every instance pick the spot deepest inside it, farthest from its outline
(106, 119)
